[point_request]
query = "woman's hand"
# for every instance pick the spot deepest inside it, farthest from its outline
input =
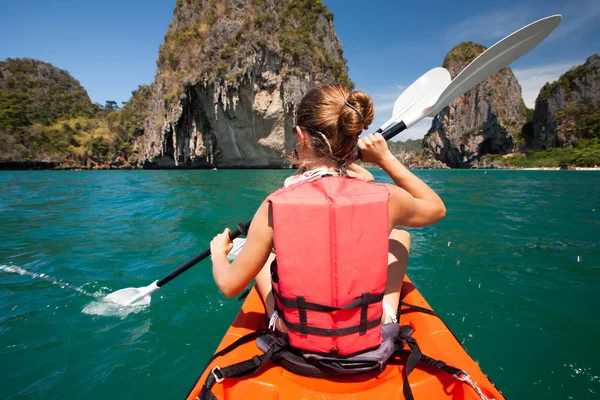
(374, 149)
(221, 245)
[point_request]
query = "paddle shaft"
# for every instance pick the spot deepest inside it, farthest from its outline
(199, 257)
(394, 130)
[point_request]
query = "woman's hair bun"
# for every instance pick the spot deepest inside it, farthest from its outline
(356, 114)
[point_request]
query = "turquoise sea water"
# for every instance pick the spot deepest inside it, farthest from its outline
(514, 270)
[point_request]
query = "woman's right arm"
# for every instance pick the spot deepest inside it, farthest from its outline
(233, 278)
(412, 202)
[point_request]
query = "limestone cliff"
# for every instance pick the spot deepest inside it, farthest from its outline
(485, 120)
(568, 109)
(230, 74)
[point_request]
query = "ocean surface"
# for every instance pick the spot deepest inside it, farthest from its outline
(514, 270)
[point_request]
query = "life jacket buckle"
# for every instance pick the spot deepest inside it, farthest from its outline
(465, 377)
(273, 321)
(218, 378)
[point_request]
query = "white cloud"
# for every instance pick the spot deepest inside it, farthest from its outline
(532, 79)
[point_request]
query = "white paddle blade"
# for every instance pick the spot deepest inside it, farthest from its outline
(132, 296)
(495, 58)
(238, 245)
(432, 80)
(421, 107)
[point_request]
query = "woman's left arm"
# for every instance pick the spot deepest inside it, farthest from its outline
(356, 171)
(233, 278)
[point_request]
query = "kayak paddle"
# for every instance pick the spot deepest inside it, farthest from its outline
(487, 64)
(141, 296)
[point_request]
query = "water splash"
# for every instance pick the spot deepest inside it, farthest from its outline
(106, 309)
(13, 269)
(97, 307)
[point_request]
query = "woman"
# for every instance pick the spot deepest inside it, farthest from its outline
(327, 225)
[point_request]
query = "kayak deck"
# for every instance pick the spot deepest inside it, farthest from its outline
(274, 382)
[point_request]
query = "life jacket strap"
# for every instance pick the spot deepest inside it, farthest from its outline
(365, 299)
(362, 328)
(300, 303)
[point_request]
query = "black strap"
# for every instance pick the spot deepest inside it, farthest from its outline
(414, 356)
(441, 365)
(303, 306)
(311, 330)
(411, 362)
(364, 308)
(421, 309)
(244, 294)
(303, 327)
(237, 370)
(365, 299)
(244, 339)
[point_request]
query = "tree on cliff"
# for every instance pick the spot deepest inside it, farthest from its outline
(111, 105)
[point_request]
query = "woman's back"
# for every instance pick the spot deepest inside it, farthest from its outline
(331, 238)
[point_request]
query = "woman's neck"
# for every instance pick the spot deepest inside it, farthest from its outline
(318, 164)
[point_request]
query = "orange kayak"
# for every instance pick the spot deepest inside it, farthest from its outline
(274, 382)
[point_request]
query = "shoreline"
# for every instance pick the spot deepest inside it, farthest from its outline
(268, 168)
(59, 166)
(555, 169)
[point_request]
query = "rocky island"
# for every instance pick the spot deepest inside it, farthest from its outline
(230, 75)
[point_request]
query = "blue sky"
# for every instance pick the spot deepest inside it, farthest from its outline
(111, 46)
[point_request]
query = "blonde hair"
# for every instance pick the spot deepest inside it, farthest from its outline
(340, 115)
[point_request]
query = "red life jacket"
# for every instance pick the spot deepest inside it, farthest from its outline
(331, 237)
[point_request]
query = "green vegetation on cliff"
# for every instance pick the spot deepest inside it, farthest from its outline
(301, 38)
(215, 40)
(463, 53)
(580, 120)
(33, 91)
(45, 115)
(34, 96)
(586, 154)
